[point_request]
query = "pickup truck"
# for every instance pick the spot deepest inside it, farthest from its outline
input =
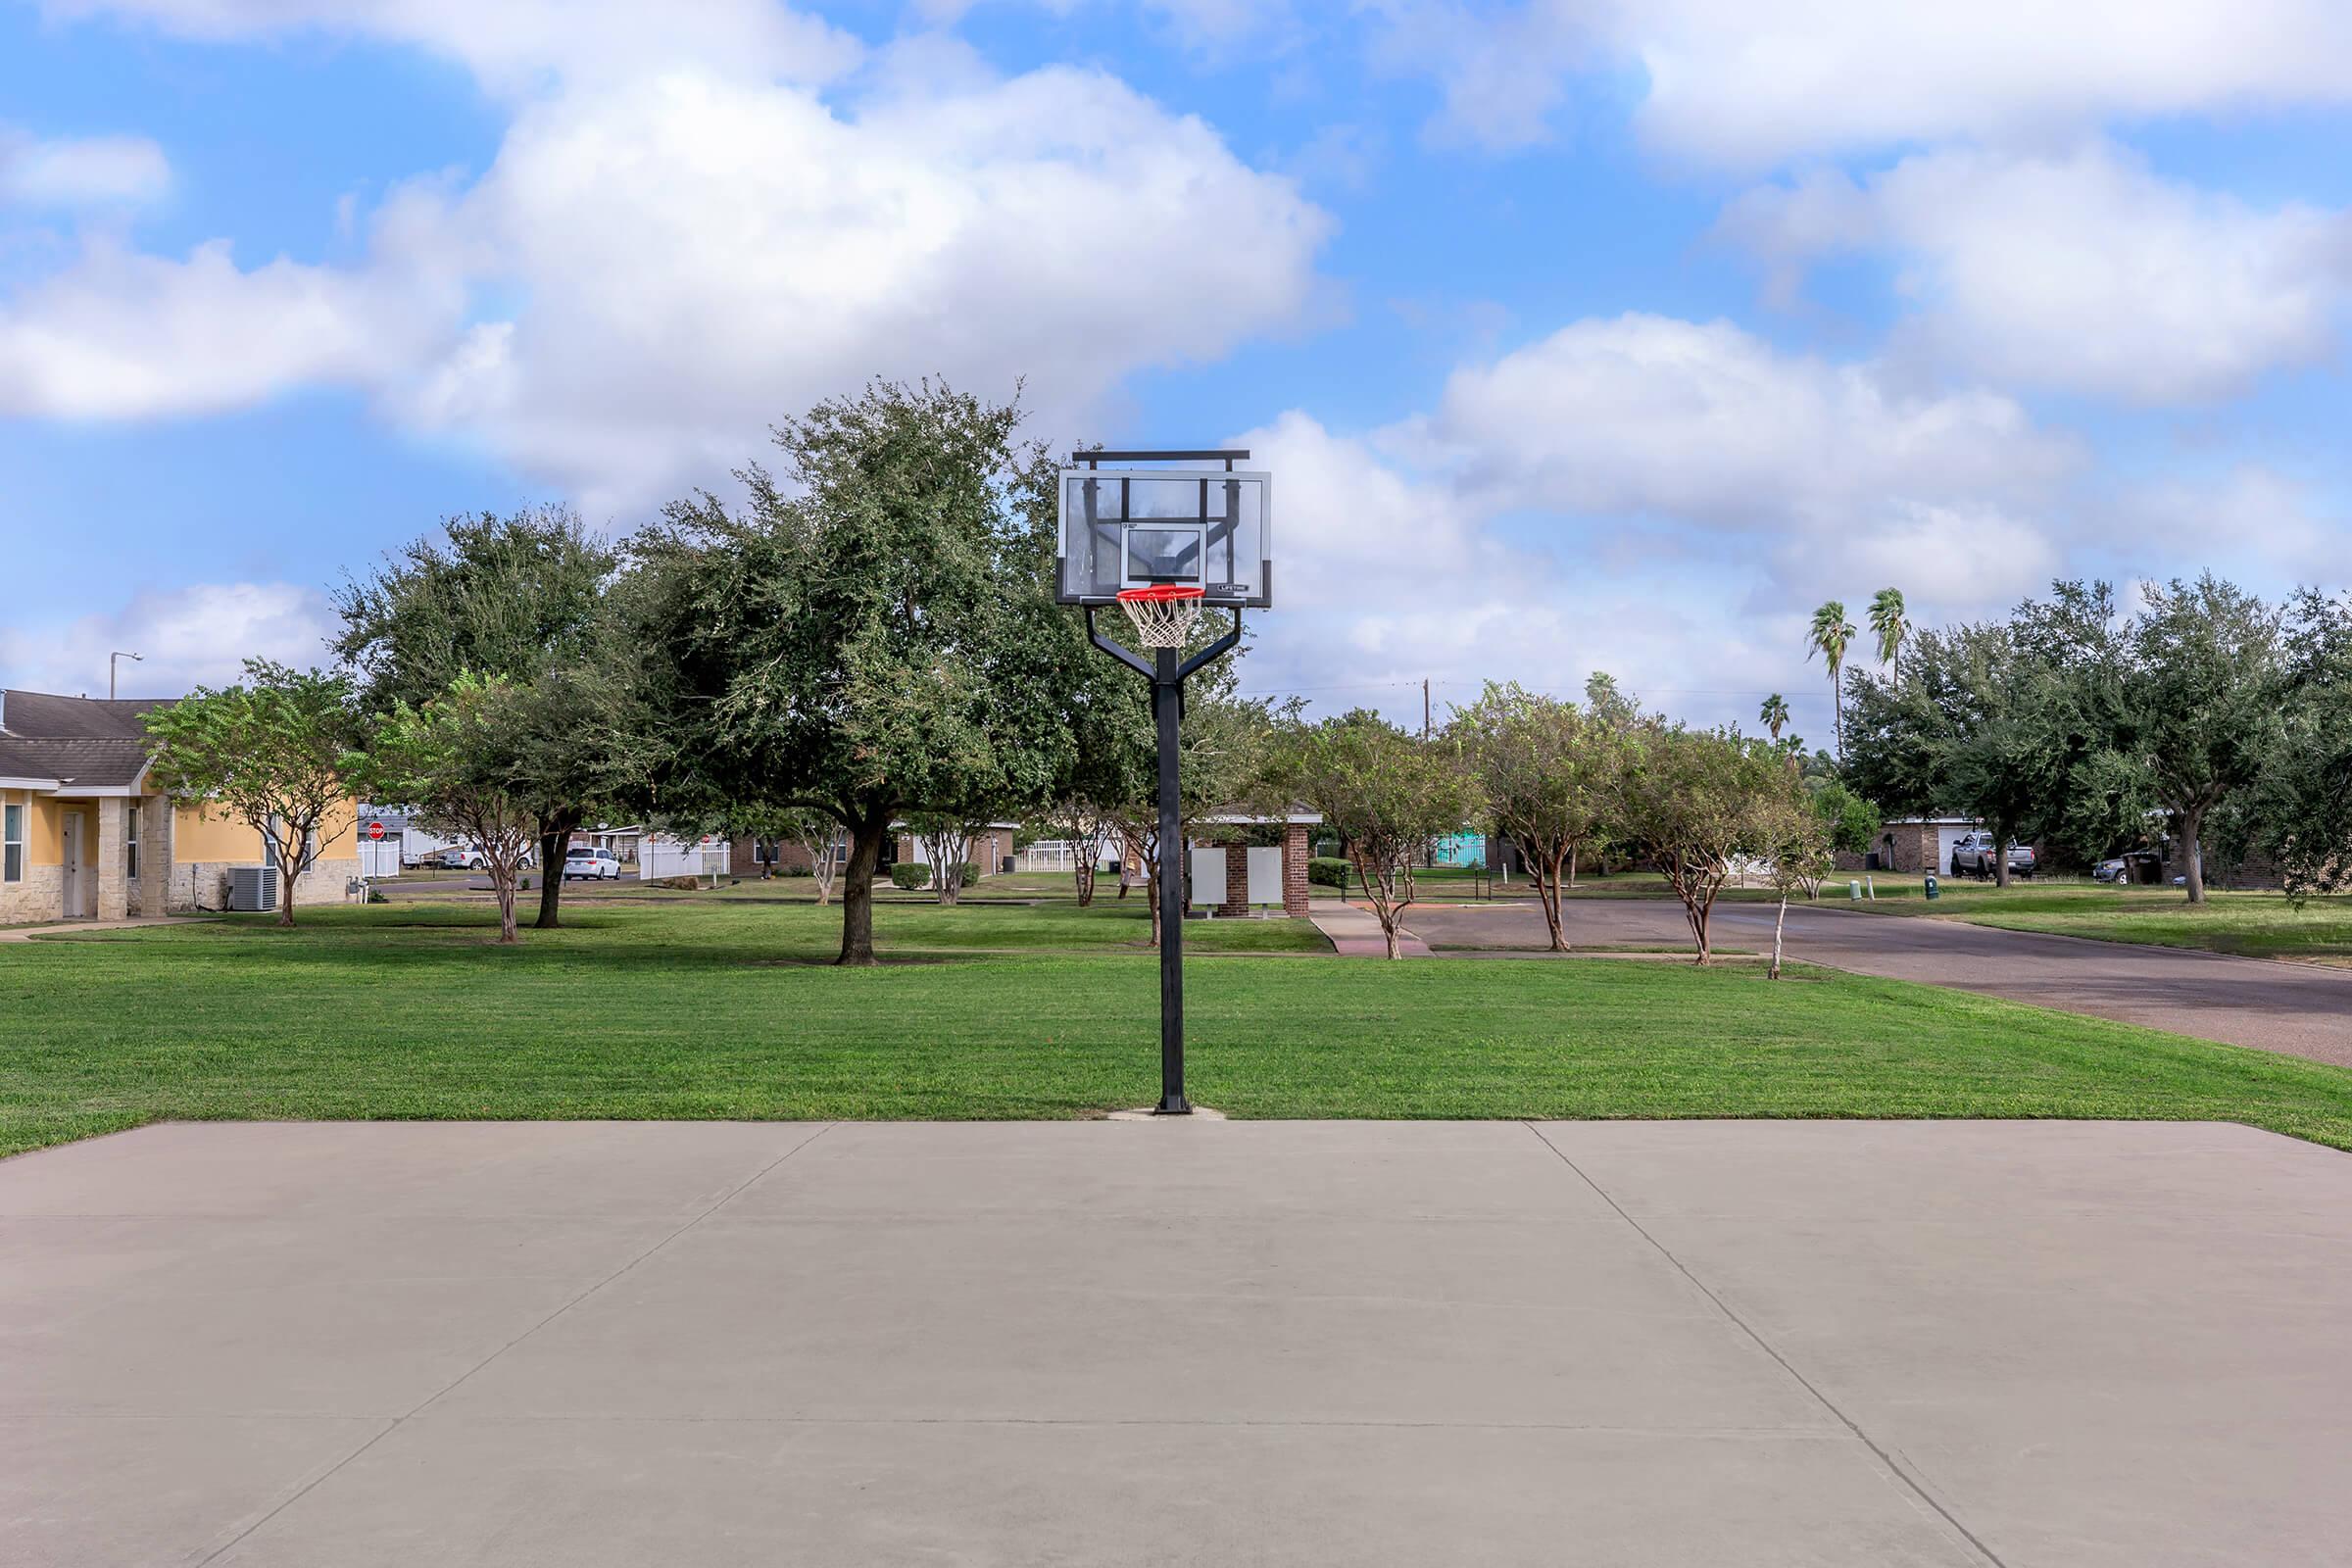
(1972, 856)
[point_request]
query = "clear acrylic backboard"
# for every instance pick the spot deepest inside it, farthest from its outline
(1141, 527)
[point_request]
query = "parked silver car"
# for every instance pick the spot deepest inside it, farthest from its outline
(592, 865)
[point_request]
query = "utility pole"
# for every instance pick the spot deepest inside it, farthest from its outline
(1425, 708)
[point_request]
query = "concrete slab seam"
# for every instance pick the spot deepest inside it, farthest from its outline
(403, 1419)
(1885, 1458)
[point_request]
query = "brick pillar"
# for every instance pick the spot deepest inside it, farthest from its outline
(1237, 881)
(1293, 870)
(113, 887)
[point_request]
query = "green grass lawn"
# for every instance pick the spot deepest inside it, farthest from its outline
(716, 1010)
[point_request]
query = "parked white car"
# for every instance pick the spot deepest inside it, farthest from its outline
(592, 865)
(462, 857)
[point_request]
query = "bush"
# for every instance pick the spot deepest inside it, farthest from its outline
(1329, 870)
(971, 873)
(909, 876)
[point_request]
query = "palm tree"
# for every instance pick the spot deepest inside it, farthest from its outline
(1888, 622)
(1829, 635)
(1774, 714)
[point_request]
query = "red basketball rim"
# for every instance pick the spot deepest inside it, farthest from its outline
(1159, 592)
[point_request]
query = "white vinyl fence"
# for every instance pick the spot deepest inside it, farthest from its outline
(659, 856)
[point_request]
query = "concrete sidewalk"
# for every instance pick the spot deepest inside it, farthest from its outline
(607, 1346)
(1354, 933)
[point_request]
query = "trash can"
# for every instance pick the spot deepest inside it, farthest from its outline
(1934, 892)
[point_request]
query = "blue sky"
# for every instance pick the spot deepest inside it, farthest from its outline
(1579, 334)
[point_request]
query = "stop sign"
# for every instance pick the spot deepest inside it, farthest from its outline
(375, 830)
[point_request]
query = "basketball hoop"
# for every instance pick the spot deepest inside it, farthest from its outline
(1164, 613)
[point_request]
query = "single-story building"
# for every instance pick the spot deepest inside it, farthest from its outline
(85, 836)
(1915, 844)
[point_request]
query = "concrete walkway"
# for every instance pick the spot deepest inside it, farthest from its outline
(609, 1345)
(2299, 1008)
(1354, 933)
(68, 929)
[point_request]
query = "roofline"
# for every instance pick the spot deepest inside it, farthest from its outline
(28, 784)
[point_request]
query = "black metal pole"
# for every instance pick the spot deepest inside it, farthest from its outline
(1167, 689)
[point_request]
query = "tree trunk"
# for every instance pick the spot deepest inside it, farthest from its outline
(1778, 921)
(1084, 871)
(857, 890)
(1547, 893)
(553, 844)
(507, 934)
(2192, 825)
(288, 868)
(2000, 855)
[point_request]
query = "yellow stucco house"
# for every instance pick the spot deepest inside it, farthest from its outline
(84, 836)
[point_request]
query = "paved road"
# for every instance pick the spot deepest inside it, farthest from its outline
(2301, 1009)
(1840, 1345)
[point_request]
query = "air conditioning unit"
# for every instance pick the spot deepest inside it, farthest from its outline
(252, 888)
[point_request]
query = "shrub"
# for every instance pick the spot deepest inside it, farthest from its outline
(909, 876)
(971, 873)
(1329, 870)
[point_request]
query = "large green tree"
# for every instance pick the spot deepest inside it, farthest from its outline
(272, 750)
(2208, 691)
(869, 633)
(1694, 804)
(1385, 793)
(1547, 775)
(522, 600)
(453, 759)
(2299, 816)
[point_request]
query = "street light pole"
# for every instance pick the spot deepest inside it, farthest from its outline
(111, 660)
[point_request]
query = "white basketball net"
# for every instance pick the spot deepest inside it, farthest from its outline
(1162, 620)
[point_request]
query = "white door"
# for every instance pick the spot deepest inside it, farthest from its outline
(73, 910)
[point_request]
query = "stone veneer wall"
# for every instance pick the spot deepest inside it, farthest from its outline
(196, 885)
(40, 896)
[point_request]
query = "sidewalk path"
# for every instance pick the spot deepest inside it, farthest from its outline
(1354, 933)
(68, 929)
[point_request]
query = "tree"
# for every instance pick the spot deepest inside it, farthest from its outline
(1829, 635)
(948, 845)
(522, 599)
(1385, 793)
(873, 636)
(1546, 775)
(453, 759)
(1693, 802)
(2300, 814)
(2207, 688)
(273, 752)
(1774, 715)
(1887, 625)
(1085, 827)
(1794, 836)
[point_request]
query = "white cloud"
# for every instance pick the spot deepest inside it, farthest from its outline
(1710, 425)
(81, 171)
(681, 253)
(1738, 84)
(120, 335)
(1487, 539)
(2083, 271)
(519, 47)
(197, 635)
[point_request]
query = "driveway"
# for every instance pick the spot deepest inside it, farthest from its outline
(2301, 1009)
(1835, 1345)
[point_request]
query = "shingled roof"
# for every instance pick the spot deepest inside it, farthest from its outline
(90, 764)
(74, 740)
(40, 716)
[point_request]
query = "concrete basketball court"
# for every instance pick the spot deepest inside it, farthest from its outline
(1868, 1344)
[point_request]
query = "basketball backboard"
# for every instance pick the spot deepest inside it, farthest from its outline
(1126, 525)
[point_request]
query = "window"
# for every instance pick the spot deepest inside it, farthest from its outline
(269, 844)
(12, 833)
(130, 841)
